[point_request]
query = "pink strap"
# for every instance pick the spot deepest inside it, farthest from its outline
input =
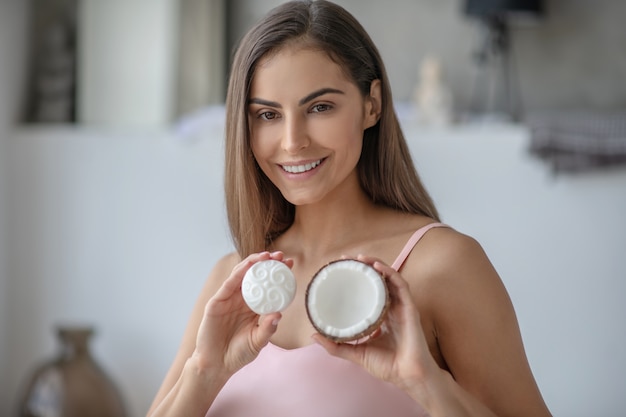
(397, 264)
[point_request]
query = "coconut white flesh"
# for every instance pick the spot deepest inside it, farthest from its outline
(268, 286)
(346, 300)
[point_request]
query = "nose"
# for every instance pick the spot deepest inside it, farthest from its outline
(295, 137)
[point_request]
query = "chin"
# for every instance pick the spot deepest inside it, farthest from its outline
(301, 200)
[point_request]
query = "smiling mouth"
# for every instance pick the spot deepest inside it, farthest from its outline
(298, 169)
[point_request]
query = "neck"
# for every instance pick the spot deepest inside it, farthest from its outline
(334, 224)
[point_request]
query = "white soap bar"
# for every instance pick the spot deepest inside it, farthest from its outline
(268, 286)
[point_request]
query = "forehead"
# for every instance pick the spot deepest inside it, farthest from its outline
(296, 70)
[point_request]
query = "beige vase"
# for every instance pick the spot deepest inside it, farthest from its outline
(72, 384)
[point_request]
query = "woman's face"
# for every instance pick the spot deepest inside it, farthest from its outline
(306, 123)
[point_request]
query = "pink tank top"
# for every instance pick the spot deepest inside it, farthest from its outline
(308, 382)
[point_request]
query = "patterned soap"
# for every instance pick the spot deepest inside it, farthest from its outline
(268, 286)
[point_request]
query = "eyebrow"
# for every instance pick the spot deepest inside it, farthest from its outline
(304, 100)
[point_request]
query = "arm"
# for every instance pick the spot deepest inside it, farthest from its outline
(482, 369)
(477, 329)
(222, 336)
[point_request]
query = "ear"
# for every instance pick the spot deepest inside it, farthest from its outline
(373, 105)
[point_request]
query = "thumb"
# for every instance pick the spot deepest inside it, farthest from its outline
(348, 351)
(266, 328)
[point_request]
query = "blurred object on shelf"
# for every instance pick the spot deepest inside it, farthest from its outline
(576, 141)
(52, 82)
(72, 384)
(496, 91)
(433, 98)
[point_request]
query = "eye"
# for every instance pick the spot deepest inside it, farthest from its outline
(267, 115)
(320, 108)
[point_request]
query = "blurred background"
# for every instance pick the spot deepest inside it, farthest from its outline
(111, 206)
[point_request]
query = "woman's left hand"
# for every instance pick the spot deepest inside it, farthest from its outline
(398, 352)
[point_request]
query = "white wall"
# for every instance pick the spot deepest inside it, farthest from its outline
(120, 229)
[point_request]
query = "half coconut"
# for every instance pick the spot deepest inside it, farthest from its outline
(346, 300)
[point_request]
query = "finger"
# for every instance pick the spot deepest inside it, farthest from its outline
(398, 284)
(280, 256)
(352, 353)
(404, 313)
(232, 284)
(277, 255)
(289, 262)
(398, 287)
(376, 333)
(268, 324)
(368, 259)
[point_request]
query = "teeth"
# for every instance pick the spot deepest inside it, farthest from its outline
(297, 169)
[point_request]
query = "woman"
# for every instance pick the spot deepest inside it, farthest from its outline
(317, 168)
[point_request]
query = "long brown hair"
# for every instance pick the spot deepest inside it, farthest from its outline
(257, 212)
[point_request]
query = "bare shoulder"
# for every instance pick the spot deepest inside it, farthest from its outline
(450, 272)
(221, 270)
(227, 262)
(445, 258)
(472, 322)
(460, 286)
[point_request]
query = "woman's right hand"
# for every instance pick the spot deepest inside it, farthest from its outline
(230, 334)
